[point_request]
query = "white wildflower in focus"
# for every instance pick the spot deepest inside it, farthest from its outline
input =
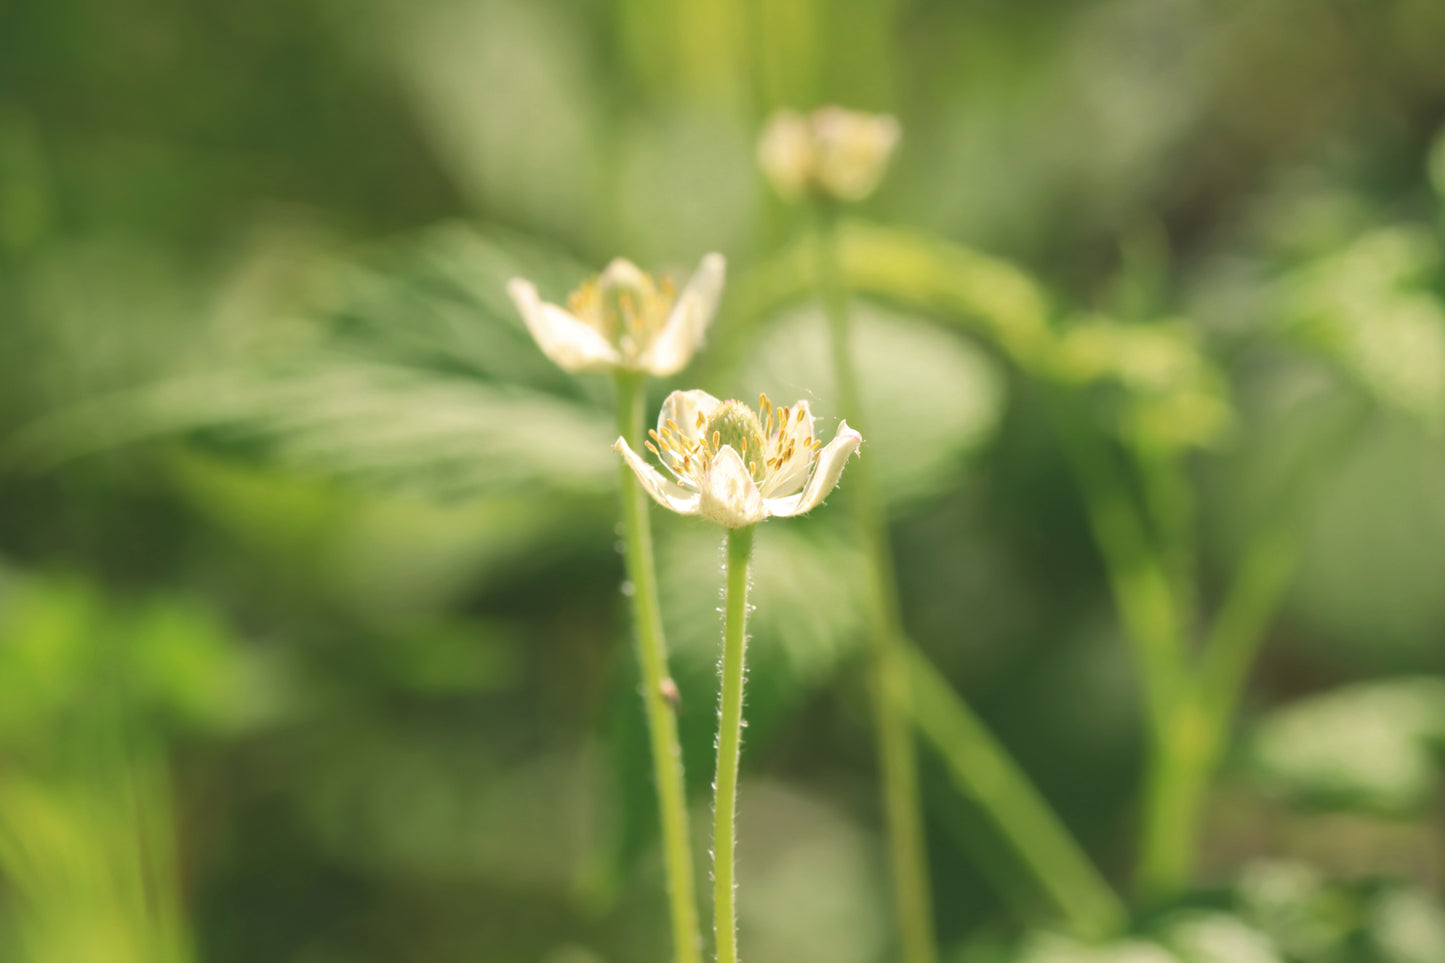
(623, 318)
(833, 152)
(734, 467)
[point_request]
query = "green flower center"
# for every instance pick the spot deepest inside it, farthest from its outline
(734, 423)
(622, 313)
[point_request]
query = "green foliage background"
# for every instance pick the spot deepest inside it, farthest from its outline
(312, 643)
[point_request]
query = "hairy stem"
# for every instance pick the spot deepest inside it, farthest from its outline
(729, 744)
(656, 684)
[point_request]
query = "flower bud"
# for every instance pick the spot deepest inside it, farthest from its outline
(833, 152)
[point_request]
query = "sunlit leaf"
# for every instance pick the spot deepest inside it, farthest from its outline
(930, 399)
(357, 422)
(1371, 308)
(1408, 926)
(1058, 949)
(1369, 746)
(1217, 938)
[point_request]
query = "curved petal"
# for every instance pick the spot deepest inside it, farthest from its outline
(622, 273)
(688, 410)
(793, 443)
(853, 150)
(730, 497)
(664, 492)
(786, 153)
(830, 467)
(573, 345)
(673, 346)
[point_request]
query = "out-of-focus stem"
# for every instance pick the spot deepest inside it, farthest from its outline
(729, 744)
(913, 900)
(652, 657)
(983, 770)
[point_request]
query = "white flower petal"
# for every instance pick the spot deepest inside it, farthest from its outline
(682, 408)
(571, 344)
(622, 273)
(790, 475)
(830, 467)
(664, 492)
(730, 497)
(673, 346)
(853, 150)
(786, 153)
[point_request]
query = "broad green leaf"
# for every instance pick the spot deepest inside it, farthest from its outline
(1206, 937)
(385, 426)
(930, 399)
(1372, 309)
(1371, 746)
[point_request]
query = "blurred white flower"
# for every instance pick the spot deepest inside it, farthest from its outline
(735, 468)
(834, 152)
(625, 319)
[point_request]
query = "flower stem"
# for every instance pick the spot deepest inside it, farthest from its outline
(913, 901)
(1190, 697)
(729, 743)
(981, 769)
(652, 656)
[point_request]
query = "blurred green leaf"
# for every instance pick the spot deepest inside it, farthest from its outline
(1200, 937)
(1292, 902)
(1408, 926)
(68, 654)
(1058, 949)
(930, 399)
(1372, 309)
(90, 862)
(1372, 746)
(357, 422)
(985, 295)
(1170, 395)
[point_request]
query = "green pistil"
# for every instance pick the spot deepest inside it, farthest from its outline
(734, 423)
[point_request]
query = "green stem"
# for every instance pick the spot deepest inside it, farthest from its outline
(1240, 625)
(656, 684)
(1170, 499)
(1149, 608)
(1175, 780)
(982, 769)
(1186, 749)
(913, 901)
(1138, 577)
(729, 744)
(1250, 603)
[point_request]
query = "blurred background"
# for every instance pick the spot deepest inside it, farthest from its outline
(313, 640)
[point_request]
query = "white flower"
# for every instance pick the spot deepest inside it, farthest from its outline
(834, 152)
(734, 468)
(624, 319)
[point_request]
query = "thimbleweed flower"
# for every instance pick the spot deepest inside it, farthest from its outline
(734, 467)
(624, 319)
(833, 152)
